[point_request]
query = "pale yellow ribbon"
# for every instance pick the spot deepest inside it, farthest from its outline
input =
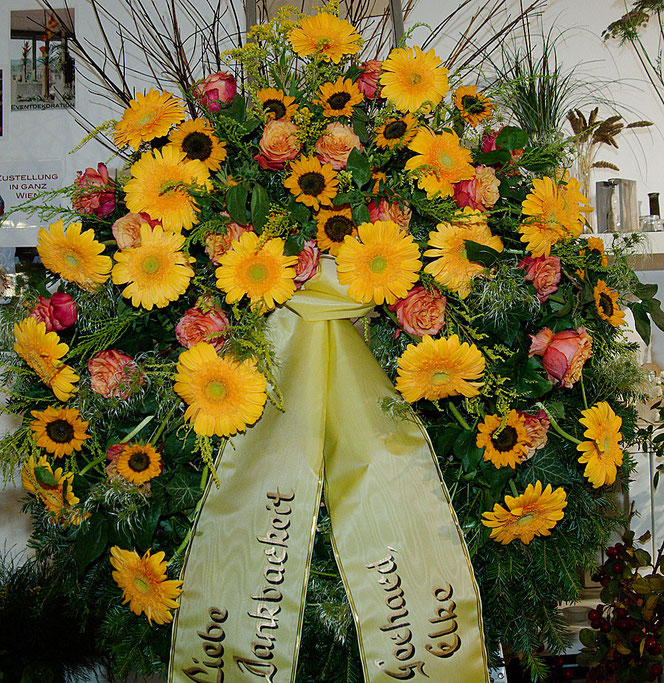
(397, 541)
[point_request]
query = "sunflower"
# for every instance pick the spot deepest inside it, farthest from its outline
(396, 131)
(144, 585)
(602, 454)
(74, 255)
(452, 269)
(158, 187)
(606, 302)
(438, 368)
(148, 117)
(54, 489)
(554, 213)
(442, 160)
(504, 444)
(42, 351)
(197, 141)
(339, 98)
(223, 395)
(596, 248)
(473, 106)
(276, 104)
(382, 266)
(311, 182)
(411, 78)
(533, 513)
(139, 463)
(261, 272)
(325, 35)
(59, 430)
(333, 225)
(157, 271)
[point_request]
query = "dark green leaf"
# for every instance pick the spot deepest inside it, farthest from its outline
(294, 244)
(90, 541)
(588, 637)
(236, 202)
(45, 476)
(645, 291)
(654, 309)
(497, 157)
(511, 138)
(145, 524)
(467, 451)
(358, 165)
(641, 321)
(299, 211)
(480, 253)
(260, 207)
(360, 129)
(444, 439)
(361, 213)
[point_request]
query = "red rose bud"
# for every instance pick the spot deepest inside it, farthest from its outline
(563, 354)
(57, 313)
(367, 81)
(215, 90)
(95, 192)
(114, 450)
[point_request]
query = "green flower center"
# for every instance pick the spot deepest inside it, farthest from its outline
(439, 378)
(339, 100)
(276, 107)
(146, 118)
(395, 130)
(216, 390)
(444, 160)
(139, 461)
(526, 519)
(71, 261)
(505, 440)
(378, 264)
(606, 304)
(337, 227)
(150, 265)
(312, 183)
(415, 78)
(141, 585)
(60, 431)
(257, 272)
(197, 146)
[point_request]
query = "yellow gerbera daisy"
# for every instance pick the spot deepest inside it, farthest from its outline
(533, 513)
(504, 444)
(157, 271)
(261, 272)
(148, 117)
(333, 226)
(411, 78)
(452, 267)
(144, 585)
(54, 489)
(442, 160)
(276, 104)
(473, 106)
(555, 213)
(59, 430)
(139, 463)
(602, 454)
(606, 302)
(438, 368)
(396, 131)
(223, 395)
(311, 182)
(74, 255)
(158, 187)
(596, 248)
(197, 141)
(325, 35)
(43, 351)
(339, 98)
(382, 266)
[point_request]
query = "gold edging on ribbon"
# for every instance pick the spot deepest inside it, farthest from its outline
(201, 505)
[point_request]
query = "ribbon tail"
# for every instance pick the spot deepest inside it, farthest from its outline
(399, 547)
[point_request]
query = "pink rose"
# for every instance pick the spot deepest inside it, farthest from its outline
(114, 450)
(390, 211)
(421, 312)
(57, 313)
(537, 429)
(335, 144)
(278, 145)
(544, 272)
(307, 263)
(563, 354)
(127, 229)
(198, 325)
(216, 244)
(94, 192)
(480, 193)
(215, 90)
(367, 81)
(114, 374)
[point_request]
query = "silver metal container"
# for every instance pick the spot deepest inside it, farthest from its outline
(616, 205)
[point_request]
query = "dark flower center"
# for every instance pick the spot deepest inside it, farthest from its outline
(337, 227)
(395, 130)
(276, 107)
(312, 183)
(472, 104)
(197, 146)
(505, 440)
(338, 100)
(139, 461)
(60, 431)
(606, 304)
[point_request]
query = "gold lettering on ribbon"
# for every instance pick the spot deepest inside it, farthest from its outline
(269, 596)
(212, 647)
(397, 621)
(446, 617)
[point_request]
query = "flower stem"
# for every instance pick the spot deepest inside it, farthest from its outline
(137, 429)
(162, 426)
(455, 411)
(515, 493)
(556, 426)
(92, 464)
(583, 392)
(185, 541)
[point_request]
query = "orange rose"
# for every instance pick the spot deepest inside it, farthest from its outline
(335, 144)
(126, 230)
(481, 192)
(307, 263)
(197, 325)
(537, 429)
(421, 312)
(390, 211)
(114, 374)
(544, 273)
(216, 244)
(278, 145)
(563, 354)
